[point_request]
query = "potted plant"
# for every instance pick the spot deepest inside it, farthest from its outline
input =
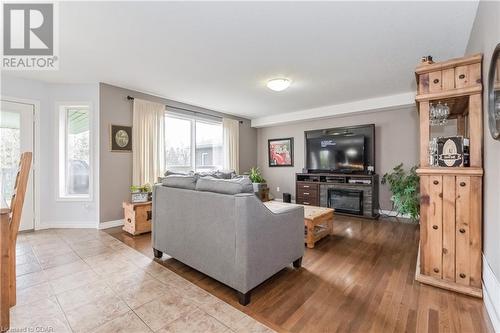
(141, 193)
(258, 181)
(404, 187)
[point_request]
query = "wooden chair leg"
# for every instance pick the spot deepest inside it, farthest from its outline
(4, 274)
(12, 279)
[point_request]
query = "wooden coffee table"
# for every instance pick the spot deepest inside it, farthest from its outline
(318, 221)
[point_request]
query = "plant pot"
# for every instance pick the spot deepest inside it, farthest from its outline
(258, 186)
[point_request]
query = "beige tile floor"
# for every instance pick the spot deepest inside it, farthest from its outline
(83, 280)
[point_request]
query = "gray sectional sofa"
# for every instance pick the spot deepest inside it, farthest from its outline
(219, 227)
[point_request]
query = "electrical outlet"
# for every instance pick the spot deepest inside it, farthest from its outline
(277, 189)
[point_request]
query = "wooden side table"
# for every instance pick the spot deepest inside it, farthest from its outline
(137, 217)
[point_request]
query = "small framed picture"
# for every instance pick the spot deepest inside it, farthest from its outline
(280, 152)
(120, 138)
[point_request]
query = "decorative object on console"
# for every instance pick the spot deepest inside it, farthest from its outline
(439, 114)
(404, 187)
(453, 151)
(494, 94)
(280, 152)
(120, 138)
(433, 152)
(451, 197)
(141, 193)
(427, 59)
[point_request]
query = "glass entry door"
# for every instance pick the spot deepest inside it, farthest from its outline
(16, 137)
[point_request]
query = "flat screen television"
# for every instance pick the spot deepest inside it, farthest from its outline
(336, 153)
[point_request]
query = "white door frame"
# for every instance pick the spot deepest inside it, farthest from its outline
(36, 153)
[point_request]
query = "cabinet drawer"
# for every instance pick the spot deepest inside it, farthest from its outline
(307, 193)
(307, 186)
(466, 76)
(307, 202)
(435, 84)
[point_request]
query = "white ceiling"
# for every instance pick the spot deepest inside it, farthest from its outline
(219, 55)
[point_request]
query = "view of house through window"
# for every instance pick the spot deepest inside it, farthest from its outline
(192, 144)
(74, 152)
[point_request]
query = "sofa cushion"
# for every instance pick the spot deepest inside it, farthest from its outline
(179, 173)
(219, 174)
(206, 174)
(180, 181)
(225, 174)
(224, 186)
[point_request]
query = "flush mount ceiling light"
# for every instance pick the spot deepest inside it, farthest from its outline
(278, 84)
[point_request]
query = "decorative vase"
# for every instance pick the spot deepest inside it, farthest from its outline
(257, 187)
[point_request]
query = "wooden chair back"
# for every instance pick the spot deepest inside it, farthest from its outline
(9, 228)
(16, 205)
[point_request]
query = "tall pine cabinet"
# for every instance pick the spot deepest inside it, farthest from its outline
(451, 197)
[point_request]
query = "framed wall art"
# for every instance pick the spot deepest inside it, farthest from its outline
(280, 152)
(120, 138)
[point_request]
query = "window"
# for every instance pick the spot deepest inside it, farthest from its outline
(192, 143)
(208, 146)
(10, 148)
(74, 152)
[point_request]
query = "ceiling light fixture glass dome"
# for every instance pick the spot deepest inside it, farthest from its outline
(278, 84)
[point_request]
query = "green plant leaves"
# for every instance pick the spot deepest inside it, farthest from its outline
(256, 176)
(405, 190)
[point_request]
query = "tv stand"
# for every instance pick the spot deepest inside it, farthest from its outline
(350, 194)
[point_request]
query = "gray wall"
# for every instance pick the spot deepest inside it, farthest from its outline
(116, 168)
(484, 37)
(396, 141)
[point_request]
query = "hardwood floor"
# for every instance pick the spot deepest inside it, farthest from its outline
(361, 279)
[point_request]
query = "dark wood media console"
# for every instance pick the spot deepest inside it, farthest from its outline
(350, 194)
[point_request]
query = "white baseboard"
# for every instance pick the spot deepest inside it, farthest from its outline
(491, 295)
(111, 224)
(67, 225)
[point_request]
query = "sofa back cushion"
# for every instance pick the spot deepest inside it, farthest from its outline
(225, 186)
(219, 174)
(178, 173)
(225, 174)
(187, 182)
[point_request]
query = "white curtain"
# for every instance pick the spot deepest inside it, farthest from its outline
(231, 130)
(148, 142)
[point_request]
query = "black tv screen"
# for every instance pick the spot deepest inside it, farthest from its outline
(339, 153)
